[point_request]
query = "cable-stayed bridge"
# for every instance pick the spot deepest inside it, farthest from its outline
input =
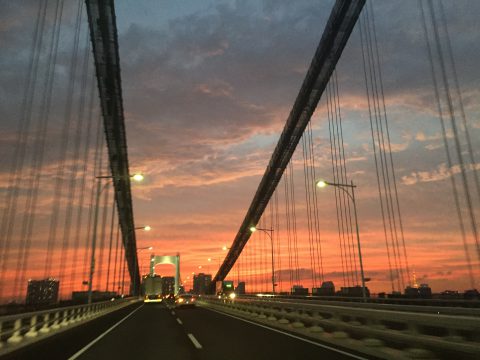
(306, 285)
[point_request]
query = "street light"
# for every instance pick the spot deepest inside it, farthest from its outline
(136, 177)
(344, 187)
(269, 232)
(144, 228)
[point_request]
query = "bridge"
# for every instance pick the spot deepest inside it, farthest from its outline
(319, 157)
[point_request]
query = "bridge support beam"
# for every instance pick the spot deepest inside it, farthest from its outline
(103, 34)
(340, 24)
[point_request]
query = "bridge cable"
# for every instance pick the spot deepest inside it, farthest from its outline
(64, 141)
(333, 158)
(294, 224)
(379, 138)
(446, 145)
(287, 218)
(278, 265)
(16, 168)
(110, 244)
(103, 230)
(73, 184)
(115, 262)
(363, 39)
(453, 123)
(99, 143)
(313, 178)
(347, 213)
(79, 227)
(392, 168)
(308, 202)
(36, 167)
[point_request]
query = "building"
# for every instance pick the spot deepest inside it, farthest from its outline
(42, 292)
(201, 283)
(299, 290)
(168, 285)
(327, 289)
(353, 291)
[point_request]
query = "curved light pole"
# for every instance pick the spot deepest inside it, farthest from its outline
(269, 232)
(100, 188)
(344, 187)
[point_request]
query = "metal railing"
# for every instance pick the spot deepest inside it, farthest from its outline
(20, 330)
(382, 334)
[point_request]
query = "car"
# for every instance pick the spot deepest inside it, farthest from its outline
(185, 300)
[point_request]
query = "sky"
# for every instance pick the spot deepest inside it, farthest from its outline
(207, 88)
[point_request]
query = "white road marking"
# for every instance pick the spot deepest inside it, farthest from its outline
(179, 321)
(81, 351)
(173, 313)
(195, 341)
(291, 335)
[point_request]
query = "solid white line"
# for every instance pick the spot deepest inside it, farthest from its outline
(80, 352)
(291, 335)
(195, 341)
(179, 321)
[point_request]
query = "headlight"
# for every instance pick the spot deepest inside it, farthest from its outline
(180, 300)
(232, 296)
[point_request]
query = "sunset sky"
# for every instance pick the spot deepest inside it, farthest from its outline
(207, 88)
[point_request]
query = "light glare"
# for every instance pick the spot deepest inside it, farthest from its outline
(138, 177)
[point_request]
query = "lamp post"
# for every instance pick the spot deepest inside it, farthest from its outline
(144, 228)
(269, 232)
(344, 187)
(136, 177)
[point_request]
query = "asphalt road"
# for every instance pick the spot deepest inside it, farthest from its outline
(153, 331)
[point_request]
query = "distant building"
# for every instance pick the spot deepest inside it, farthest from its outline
(353, 291)
(299, 290)
(423, 291)
(168, 285)
(240, 289)
(42, 292)
(201, 283)
(327, 289)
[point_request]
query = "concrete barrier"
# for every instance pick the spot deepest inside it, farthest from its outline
(21, 330)
(384, 334)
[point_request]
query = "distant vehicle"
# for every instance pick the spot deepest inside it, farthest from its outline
(152, 288)
(225, 289)
(185, 300)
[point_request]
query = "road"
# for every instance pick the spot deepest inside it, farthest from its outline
(154, 331)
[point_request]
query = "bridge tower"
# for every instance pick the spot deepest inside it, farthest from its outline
(167, 259)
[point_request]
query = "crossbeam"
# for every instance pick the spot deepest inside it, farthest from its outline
(103, 34)
(340, 24)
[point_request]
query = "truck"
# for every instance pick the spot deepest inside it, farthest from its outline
(225, 289)
(152, 288)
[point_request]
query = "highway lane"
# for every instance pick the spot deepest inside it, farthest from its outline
(153, 331)
(225, 337)
(156, 331)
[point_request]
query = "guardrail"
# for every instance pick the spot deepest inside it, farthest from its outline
(20, 330)
(416, 307)
(384, 334)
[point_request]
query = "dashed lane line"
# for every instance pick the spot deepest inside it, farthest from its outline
(194, 341)
(179, 321)
(89, 345)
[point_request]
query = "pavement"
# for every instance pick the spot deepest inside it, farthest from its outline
(154, 331)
